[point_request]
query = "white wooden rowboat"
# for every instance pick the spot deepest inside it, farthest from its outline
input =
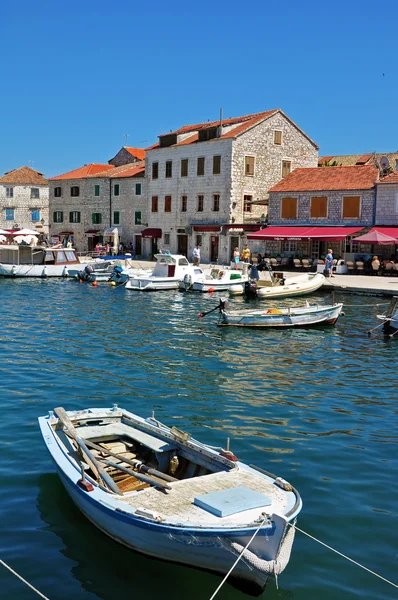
(294, 316)
(158, 491)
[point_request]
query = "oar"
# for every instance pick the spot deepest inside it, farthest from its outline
(87, 455)
(137, 464)
(139, 476)
(219, 306)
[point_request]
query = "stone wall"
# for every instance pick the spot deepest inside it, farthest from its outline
(23, 204)
(387, 204)
(335, 208)
(127, 203)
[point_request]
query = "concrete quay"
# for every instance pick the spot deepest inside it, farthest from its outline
(368, 285)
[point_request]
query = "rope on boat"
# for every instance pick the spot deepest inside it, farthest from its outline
(343, 555)
(239, 557)
(24, 580)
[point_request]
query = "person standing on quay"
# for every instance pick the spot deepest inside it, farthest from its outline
(246, 253)
(329, 261)
(196, 255)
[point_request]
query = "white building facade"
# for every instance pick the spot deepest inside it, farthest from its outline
(203, 181)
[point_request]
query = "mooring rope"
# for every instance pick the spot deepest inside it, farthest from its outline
(24, 580)
(343, 555)
(239, 557)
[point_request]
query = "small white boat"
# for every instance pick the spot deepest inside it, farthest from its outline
(390, 324)
(309, 315)
(169, 271)
(35, 261)
(160, 492)
(216, 279)
(282, 285)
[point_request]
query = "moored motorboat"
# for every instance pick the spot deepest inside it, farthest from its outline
(216, 279)
(167, 274)
(157, 490)
(267, 284)
(37, 261)
(308, 315)
(390, 319)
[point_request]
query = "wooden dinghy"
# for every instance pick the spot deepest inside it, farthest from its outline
(308, 315)
(158, 491)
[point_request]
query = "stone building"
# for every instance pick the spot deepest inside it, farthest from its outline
(24, 200)
(89, 202)
(71, 213)
(207, 183)
(387, 200)
(313, 209)
(127, 155)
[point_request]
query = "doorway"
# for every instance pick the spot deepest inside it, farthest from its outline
(154, 246)
(214, 243)
(138, 245)
(233, 243)
(182, 245)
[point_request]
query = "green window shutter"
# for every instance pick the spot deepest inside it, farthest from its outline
(116, 217)
(116, 189)
(138, 189)
(138, 217)
(96, 190)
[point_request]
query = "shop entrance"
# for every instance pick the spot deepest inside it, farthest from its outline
(214, 244)
(182, 245)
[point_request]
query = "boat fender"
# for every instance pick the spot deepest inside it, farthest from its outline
(274, 311)
(44, 272)
(65, 272)
(85, 485)
(14, 271)
(229, 455)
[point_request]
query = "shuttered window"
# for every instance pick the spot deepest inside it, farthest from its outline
(184, 201)
(216, 165)
(319, 207)
(249, 165)
(201, 166)
(154, 204)
(169, 169)
(155, 170)
(184, 167)
(278, 138)
(289, 208)
(351, 207)
(216, 202)
(286, 167)
(167, 204)
(200, 203)
(247, 203)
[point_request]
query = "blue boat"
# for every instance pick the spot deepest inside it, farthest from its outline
(158, 491)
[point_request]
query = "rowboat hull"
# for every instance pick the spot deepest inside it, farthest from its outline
(213, 544)
(311, 316)
(297, 286)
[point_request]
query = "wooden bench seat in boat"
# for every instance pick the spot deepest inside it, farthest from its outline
(92, 432)
(178, 503)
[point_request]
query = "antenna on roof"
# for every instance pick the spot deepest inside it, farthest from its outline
(126, 135)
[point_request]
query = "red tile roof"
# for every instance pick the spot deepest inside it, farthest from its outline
(226, 122)
(24, 176)
(129, 170)
(136, 152)
(391, 178)
(328, 178)
(364, 159)
(82, 172)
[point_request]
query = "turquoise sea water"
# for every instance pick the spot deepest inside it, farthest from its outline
(317, 407)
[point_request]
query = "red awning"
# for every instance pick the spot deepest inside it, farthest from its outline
(244, 226)
(303, 233)
(151, 232)
(215, 228)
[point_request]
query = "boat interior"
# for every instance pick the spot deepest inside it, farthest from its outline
(28, 255)
(127, 452)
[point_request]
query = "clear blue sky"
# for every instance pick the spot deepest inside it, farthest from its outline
(77, 76)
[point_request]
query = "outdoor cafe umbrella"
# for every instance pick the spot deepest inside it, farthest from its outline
(4, 232)
(26, 232)
(376, 237)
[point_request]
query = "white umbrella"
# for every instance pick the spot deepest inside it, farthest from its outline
(4, 232)
(2, 238)
(26, 238)
(26, 232)
(116, 241)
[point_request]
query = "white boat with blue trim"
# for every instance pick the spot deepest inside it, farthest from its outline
(168, 273)
(158, 491)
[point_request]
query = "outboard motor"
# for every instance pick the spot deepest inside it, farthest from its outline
(187, 281)
(86, 274)
(116, 274)
(250, 289)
